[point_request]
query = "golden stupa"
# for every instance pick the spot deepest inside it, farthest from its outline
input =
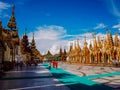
(100, 52)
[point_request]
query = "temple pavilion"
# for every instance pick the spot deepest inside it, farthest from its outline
(9, 40)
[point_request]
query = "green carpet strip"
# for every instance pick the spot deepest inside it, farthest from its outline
(75, 82)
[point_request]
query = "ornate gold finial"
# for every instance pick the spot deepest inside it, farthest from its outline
(33, 43)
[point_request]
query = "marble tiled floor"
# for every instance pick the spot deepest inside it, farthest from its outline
(112, 81)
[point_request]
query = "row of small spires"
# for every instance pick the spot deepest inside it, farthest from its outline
(76, 42)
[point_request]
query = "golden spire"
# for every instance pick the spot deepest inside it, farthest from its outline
(85, 43)
(12, 21)
(71, 46)
(90, 46)
(107, 31)
(33, 41)
(60, 52)
(116, 40)
(33, 35)
(95, 42)
(99, 42)
(65, 51)
(78, 46)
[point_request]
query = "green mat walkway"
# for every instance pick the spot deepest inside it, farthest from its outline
(75, 82)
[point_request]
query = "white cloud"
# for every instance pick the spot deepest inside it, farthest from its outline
(64, 44)
(49, 38)
(3, 6)
(117, 26)
(49, 32)
(99, 26)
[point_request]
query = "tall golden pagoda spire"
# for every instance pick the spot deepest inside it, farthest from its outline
(33, 42)
(116, 41)
(12, 21)
(0, 24)
(71, 46)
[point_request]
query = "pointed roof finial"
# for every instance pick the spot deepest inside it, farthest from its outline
(107, 29)
(60, 49)
(13, 8)
(12, 21)
(85, 42)
(0, 24)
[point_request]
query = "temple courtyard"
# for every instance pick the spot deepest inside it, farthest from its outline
(65, 77)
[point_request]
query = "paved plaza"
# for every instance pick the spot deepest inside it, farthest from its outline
(30, 78)
(66, 77)
(109, 76)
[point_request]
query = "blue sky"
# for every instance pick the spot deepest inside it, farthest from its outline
(66, 19)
